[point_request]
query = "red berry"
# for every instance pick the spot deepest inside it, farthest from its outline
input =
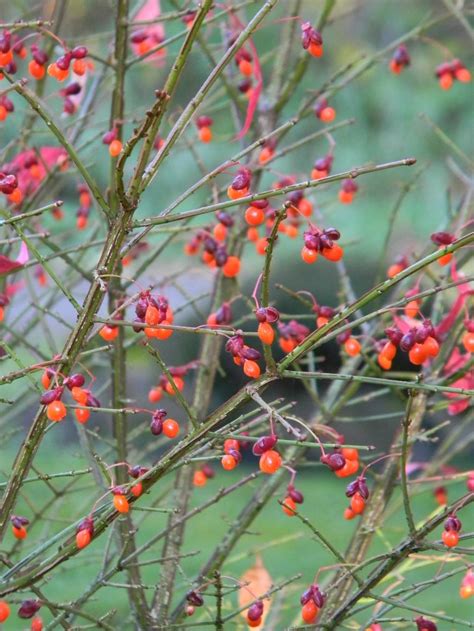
(352, 347)
(83, 538)
(450, 538)
(56, 411)
(468, 341)
(228, 462)
(270, 461)
(308, 256)
(36, 624)
(121, 503)
(199, 478)
(266, 333)
(309, 612)
(19, 533)
(82, 415)
(357, 504)
(109, 333)
(4, 610)
(289, 506)
(251, 369)
(170, 428)
(231, 443)
(231, 267)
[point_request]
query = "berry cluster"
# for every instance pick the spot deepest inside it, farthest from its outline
(254, 614)
(420, 342)
(312, 600)
(358, 493)
(451, 71)
(55, 408)
(153, 311)
(312, 40)
(244, 355)
(400, 59)
(19, 524)
(291, 333)
(204, 124)
(74, 58)
(452, 528)
(160, 424)
(318, 241)
(111, 139)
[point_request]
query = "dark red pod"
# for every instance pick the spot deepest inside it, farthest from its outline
(442, 238)
(52, 395)
(75, 381)
(425, 625)
(255, 611)
(28, 608)
(408, 341)
(263, 444)
(194, 598)
(334, 460)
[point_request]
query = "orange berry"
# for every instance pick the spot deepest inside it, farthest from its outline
(36, 624)
(417, 354)
(466, 591)
(431, 347)
(348, 469)
(228, 462)
(163, 334)
(231, 267)
(57, 73)
(350, 453)
(345, 197)
(265, 155)
(463, 75)
(333, 254)
(205, 134)
(291, 231)
(289, 506)
(137, 489)
(178, 382)
(19, 533)
(121, 503)
(412, 308)
(266, 333)
(231, 444)
(155, 394)
(36, 70)
(254, 623)
(109, 333)
(394, 269)
(384, 362)
(82, 415)
(3, 112)
(327, 115)
(79, 67)
(352, 347)
(4, 610)
(79, 395)
(468, 341)
(199, 478)
(321, 321)
(245, 68)
(445, 259)
(445, 81)
(251, 369)
(261, 245)
(115, 148)
(349, 513)
(233, 193)
(220, 232)
(6, 58)
(309, 612)
(395, 67)
(45, 380)
(16, 197)
(450, 538)
(357, 504)
(270, 461)
(83, 538)
(254, 216)
(81, 222)
(305, 207)
(56, 411)
(316, 50)
(318, 175)
(287, 344)
(389, 350)
(152, 315)
(252, 234)
(170, 428)
(308, 256)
